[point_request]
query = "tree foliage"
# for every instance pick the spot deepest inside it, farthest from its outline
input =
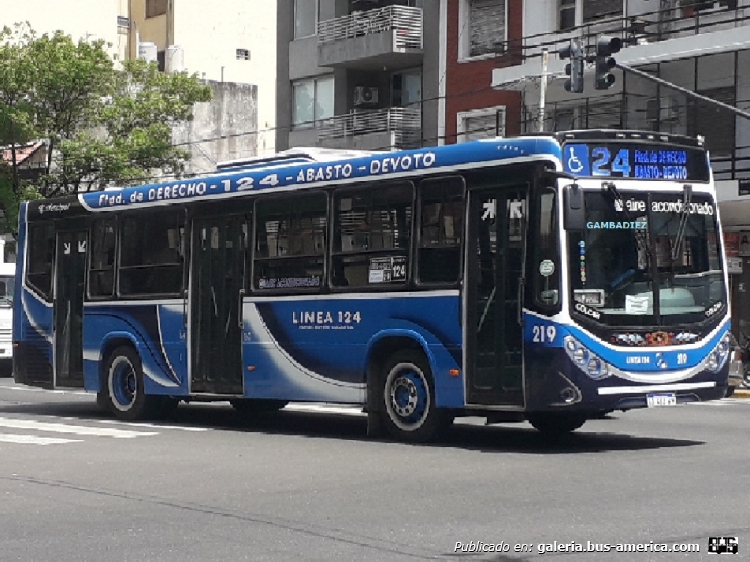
(102, 125)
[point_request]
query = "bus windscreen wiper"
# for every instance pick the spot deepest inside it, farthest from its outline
(687, 198)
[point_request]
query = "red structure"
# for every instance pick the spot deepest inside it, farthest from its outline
(481, 35)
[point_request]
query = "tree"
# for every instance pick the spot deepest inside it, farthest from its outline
(102, 125)
(134, 137)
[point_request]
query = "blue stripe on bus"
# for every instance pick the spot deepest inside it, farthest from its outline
(371, 167)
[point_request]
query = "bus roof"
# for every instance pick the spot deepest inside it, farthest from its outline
(305, 167)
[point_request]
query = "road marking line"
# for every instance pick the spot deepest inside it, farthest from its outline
(153, 425)
(350, 411)
(75, 429)
(33, 389)
(34, 439)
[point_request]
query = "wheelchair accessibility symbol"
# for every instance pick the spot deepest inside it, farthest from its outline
(577, 159)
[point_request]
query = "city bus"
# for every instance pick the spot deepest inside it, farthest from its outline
(549, 278)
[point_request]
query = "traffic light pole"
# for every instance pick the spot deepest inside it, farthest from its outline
(543, 89)
(680, 89)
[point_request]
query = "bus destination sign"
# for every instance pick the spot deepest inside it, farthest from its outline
(636, 160)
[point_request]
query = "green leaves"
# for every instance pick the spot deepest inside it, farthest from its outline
(103, 125)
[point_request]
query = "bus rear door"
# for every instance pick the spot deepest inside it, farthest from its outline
(70, 272)
(216, 283)
(494, 258)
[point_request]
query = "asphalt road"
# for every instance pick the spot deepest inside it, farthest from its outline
(308, 485)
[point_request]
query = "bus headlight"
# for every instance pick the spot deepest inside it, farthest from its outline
(589, 362)
(719, 355)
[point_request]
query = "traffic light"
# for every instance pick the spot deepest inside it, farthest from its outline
(605, 48)
(574, 69)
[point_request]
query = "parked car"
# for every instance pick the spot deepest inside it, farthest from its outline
(736, 366)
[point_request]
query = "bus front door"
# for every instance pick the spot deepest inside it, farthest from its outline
(216, 284)
(494, 266)
(70, 262)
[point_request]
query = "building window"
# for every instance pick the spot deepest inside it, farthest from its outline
(716, 124)
(406, 89)
(306, 14)
(481, 123)
(243, 54)
(601, 9)
(567, 14)
(604, 115)
(312, 101)
(290, 243)
(591, 11)
(484, 27)
(156, 8)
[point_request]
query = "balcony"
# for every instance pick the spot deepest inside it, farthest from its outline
(377, 129)
(389, 37)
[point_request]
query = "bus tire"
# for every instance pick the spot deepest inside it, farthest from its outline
(408, 398)
(125, 389)
(102, 400)
(555, 425)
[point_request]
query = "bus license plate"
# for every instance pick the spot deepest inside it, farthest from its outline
(668, 399)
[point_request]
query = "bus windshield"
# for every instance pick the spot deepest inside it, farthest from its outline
(7, 283)
(637, 246)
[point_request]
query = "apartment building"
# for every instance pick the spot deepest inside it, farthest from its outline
(231, 42)
(104, 19)
(359, 74)
(700, 45)
(481, 35)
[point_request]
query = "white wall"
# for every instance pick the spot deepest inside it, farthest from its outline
(210, 33)
(93, 19)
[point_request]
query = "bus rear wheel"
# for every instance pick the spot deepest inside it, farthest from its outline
(408, 395)
(125, 389)
(555, 425)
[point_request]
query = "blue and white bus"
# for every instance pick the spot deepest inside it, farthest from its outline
(546, 278)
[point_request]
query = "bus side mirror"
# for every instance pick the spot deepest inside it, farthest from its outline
(575, 208)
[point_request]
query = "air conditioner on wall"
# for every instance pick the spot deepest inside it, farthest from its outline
(365, 95)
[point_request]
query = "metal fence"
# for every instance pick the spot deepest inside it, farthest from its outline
(404, 21)
(405, 124)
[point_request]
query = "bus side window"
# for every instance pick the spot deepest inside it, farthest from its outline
(102, 260)
(441, 216)
(545, 267)
(290, 243)
(372, 236)
(150, 258)
(41, 257)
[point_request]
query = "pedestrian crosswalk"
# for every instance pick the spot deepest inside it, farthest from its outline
(60, 430)
(53, 430)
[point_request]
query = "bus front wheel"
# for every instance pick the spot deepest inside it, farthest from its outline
(409, 398)
(125, 390)
(554, 425)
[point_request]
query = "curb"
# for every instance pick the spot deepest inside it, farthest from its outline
(741, 393)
